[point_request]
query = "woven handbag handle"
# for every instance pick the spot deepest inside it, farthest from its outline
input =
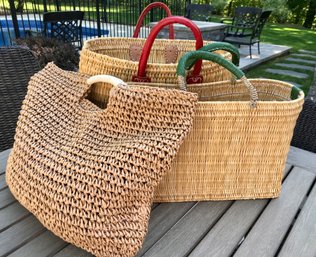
(222, 46)
(116, 82)
(141, 74)
(188, 59)
(144, 13)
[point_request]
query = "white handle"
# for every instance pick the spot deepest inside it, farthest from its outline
(107, 79)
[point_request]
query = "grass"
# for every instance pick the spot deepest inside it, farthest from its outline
(289, 35)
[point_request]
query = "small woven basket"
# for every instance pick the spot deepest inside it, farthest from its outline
(240, 138)
(148, 60)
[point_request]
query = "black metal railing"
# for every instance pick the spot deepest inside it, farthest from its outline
(115, 18)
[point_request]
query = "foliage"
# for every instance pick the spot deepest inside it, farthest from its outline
(280, 11)
(219, 5)
(64, 55)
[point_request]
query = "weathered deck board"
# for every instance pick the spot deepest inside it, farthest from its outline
(206, 229)
(6, 198)
(3, 184)
(3, 160)
(183, 236)
(265, 237)
(72, 251)
(162, 219)
(12, 214)
(302, 158)
(46, 244)
(222, 239)
(230, 229)
(302, 238)
(20, 233)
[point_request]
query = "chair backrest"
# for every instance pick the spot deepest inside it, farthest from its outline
(65, 26)
(17, 65)
(199, 12)
(261, 22)
(246, 16)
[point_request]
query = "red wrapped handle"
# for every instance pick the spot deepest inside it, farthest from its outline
(141, 74)
(144, 13)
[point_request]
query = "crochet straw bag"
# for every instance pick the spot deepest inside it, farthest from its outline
(119, 56)
(89, 174)
(240, 138)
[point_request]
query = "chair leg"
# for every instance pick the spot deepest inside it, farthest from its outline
(250, 51)
(258, 47)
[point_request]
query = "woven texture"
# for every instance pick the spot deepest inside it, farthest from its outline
(233, 151)
(112, 56)
(305, 130)
(89, 174)
(17, 65)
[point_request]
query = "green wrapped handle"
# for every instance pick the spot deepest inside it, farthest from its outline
(188, 60)
(222, 46)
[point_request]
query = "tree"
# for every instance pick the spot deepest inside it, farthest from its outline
(310, 15)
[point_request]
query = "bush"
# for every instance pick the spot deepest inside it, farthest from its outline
(279, 8)
(64, 55)
(219, 5)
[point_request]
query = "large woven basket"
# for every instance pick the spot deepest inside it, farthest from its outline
(240, 138)
(101, 91)
(158, 57)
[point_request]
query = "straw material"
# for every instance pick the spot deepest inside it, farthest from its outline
(89, 174)
(233, 151)
(112, 56)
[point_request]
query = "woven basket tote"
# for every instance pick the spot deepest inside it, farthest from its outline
(142, 16)
(240, 138)
(120, 56)
(99, 93)
(89, 174)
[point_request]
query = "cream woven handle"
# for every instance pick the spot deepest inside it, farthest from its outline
(106, 79)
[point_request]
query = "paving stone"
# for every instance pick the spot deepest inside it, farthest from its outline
(288, 73)
(295, 66)
(301, 60)
(304, 55)
(307, 52)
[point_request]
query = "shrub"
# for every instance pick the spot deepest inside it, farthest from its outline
(279, 8)
(64, 55)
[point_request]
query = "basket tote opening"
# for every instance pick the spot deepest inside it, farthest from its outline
(98, 94)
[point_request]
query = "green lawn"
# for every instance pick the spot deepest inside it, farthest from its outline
(295, 37)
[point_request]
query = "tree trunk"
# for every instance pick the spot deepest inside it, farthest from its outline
(310, 15)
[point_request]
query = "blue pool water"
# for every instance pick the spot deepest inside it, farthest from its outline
(7, 31)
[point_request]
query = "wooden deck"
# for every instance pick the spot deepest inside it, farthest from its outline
(282, 227)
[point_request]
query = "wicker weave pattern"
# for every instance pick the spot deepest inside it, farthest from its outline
(89, 174)
(305, 130)
(233, 151)
(17, 65)
(112, 56)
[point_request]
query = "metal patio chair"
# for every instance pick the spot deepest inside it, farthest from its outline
(65, 26)
(199, 12)
(243, 21)
(17, 65)
(248, 33)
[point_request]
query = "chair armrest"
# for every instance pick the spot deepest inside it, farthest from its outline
(224, 20)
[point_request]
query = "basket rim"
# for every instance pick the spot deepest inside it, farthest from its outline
(150, 65)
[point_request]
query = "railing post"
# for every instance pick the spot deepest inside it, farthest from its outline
(97, 5)
(45, 5)
(57, 5)
(14, 19)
